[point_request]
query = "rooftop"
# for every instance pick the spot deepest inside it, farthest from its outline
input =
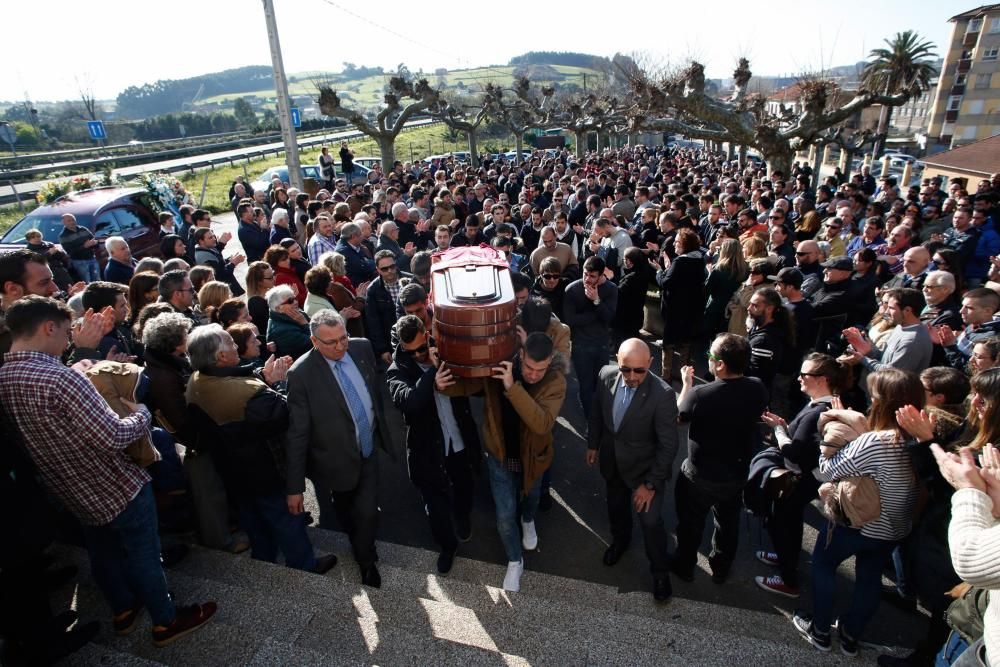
(980, 157)
(974, 13)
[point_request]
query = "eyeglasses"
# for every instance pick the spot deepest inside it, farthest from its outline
(927, 287)
(799, 253)
(625, 370)
(803, 374)
(775, 217)
(550, 276)
(387, 267)
(419, 350)
(712, 356)
(289, 301)
(269, 276)
(343, 340)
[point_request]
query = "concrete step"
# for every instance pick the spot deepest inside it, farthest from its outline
(297, 610)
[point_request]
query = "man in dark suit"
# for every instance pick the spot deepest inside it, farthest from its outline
(442, 439)
(633, 431)
(336, 426)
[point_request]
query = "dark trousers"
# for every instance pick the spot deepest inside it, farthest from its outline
(588, 360)
(654, 534)
(785, 528)
(448, 495)
(357, 512)
(125, 560)
(870, 557)
(271, 528)
(694, 500)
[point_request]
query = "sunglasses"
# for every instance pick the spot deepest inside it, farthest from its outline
(550, 276)
(625, 370)
(810, 375)
(419, 350)
(801, 254)
(389, 267)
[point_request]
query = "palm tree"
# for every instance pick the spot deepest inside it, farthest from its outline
(906, 66)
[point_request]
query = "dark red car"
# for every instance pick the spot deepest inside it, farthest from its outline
(131, 213)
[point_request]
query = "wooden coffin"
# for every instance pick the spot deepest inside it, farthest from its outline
(475, 312)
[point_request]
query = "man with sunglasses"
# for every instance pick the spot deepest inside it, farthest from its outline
(633, 432)
(380, 311)
(441, 437)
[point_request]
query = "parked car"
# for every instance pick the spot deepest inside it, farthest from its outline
(360, 172)
(113, 211)
(367, 161)
(263, 181)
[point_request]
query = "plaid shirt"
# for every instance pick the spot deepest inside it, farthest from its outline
(75, 440)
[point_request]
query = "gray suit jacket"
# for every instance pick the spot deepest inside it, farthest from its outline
(321, 440)
(644, 447)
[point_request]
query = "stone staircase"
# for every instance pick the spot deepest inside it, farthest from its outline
(272, 615)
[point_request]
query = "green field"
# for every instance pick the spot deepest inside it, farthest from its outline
(368, 91)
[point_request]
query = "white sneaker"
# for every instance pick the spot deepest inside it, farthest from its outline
(512, 582)
(529, 539)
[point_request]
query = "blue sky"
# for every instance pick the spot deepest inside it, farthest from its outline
(117, 43)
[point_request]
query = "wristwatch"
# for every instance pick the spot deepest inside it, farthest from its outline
(649, 486)
(597, 301)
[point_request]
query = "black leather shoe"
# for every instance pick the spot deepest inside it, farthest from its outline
(614, 553)
(324, 564)
(445, 560)
(463, 529)
(371, 577)
(683, 575)
(661, 589)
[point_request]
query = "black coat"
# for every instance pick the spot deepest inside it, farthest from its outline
(632, 290)
(682, 298)
(380, 315)
(412, 391)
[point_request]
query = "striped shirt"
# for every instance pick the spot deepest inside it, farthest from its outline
(74, 439)
(318, 245)
(878, 454)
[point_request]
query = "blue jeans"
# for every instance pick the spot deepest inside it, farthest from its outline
(125, 560)
(87, 269)
(588, 360)
(271, 528)
(506, 489)
(168, 472)
(870, 555)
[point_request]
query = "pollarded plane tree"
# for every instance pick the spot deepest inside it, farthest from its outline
(402, 100)
(678, 103)
(466, 118)
(520, 109)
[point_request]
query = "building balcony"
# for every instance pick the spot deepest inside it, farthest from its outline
(958, 89)
(970, 39)
(964, 65)
(951, 116)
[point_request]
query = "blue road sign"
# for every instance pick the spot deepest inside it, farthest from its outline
(96, 129)
(296, 119)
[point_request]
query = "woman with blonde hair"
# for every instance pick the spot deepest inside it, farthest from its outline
(728, 272)
(754, 247)
(807, 226)
(211, 296)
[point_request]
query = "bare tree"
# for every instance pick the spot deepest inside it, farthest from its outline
(678, 103)
(85, 86)
(393, 116)
(461, 119)
(524, 110)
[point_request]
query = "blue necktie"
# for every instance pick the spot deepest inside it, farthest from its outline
(622, 401)
(357, 408)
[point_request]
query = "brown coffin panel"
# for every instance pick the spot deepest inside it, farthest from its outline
(474, 310)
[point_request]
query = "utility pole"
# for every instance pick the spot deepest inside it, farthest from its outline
(284, 110)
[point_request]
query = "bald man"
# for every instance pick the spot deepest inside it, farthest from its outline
(916, 261)
(633, 432)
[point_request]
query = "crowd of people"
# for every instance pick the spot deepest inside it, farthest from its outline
(847, 325)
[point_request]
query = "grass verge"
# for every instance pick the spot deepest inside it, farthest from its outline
(410, 144)
(11, 214)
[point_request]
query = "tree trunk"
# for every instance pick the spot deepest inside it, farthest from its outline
(597, 141)
(885, 114)
(730, 151)
(473, 149)
(817, 164)
(581, 143)
(519, 145)
(778, 158)
(387, 147)
(848, 159)
(742, 152)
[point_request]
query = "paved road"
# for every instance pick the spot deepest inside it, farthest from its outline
(28, 189)
(575, 533)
